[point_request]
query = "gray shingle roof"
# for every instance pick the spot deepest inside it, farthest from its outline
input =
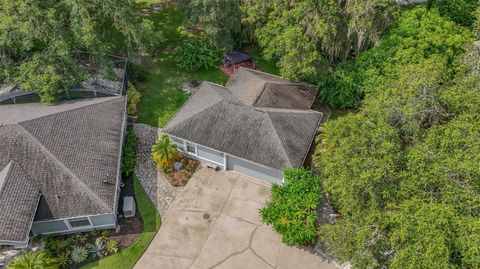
(64, 154)
(215, 117)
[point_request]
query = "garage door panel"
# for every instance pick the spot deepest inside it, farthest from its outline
(253, 170)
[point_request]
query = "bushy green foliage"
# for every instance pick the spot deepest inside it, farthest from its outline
(196, 54)
(133, 98)
(79, 254)
(219, 19)
(34, 260)
(459, 11)
(306, 34)
(403, 172)
(417, 35)
(39, 38)
(129, 153)
(292, 211)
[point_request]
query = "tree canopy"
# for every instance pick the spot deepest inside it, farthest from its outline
(219, 19)
(38, 39)
(417, 34)
(403, 172)
(303, 34)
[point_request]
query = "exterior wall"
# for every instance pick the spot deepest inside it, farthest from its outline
(15, 244)
(49, 226)
(210, 154)
(228, 162)
(62, 226)
(103, 220)
(179, 143)
(254, 170)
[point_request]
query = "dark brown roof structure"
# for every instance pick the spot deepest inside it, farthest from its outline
(58, 161)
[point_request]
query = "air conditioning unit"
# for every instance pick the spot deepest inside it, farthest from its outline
(128, 207)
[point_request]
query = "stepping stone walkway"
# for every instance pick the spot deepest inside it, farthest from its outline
(160, 191)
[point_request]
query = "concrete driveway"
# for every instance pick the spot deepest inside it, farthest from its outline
(214, 223)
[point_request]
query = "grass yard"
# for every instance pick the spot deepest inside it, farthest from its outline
(264, 65)
(126, 258)
(159, 79)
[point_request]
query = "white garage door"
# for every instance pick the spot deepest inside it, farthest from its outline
(253, 170)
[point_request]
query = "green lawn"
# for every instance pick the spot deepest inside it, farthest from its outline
(264, 65)
(126, 258)
(160, 80)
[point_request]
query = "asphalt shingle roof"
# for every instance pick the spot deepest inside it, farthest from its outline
(68, 154)
(218, 118)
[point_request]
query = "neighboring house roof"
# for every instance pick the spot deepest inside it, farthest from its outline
(224, 119)
(64, 158)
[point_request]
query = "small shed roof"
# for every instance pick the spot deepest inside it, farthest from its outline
(236, 57)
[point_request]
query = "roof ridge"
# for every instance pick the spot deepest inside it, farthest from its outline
(4, 172)
(287, 110)
(184, 105)
(277, 136)
(111, 99)
(66, 169)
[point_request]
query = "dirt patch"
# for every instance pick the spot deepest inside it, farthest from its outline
(130, 231)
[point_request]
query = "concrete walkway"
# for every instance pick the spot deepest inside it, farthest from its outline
(214, 223)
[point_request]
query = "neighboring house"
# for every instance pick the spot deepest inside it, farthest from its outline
(59, 167)
(60, 164)
(258, 125)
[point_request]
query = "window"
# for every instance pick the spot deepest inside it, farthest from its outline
(79, 222)
(191, 148)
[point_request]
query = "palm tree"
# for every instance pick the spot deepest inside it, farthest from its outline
(34, 260)
(164, 153)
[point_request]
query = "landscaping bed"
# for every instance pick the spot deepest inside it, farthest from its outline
(179, 178)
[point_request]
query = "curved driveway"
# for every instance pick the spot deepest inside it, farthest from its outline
(214, 223)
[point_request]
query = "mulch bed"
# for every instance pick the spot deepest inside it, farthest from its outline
(180, 178)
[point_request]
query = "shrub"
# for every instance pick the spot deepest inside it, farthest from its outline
(63, 259)
(133, 97)
(33, 260)
(292, 210)
(79, 254)
(112, 246)
(196, 54)
(105, 234)
(129, 153)
(164, 152)
(98, 248)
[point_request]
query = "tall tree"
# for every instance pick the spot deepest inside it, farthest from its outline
(403, 172)
(220, 19)
(39, 37)
(302, 34)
